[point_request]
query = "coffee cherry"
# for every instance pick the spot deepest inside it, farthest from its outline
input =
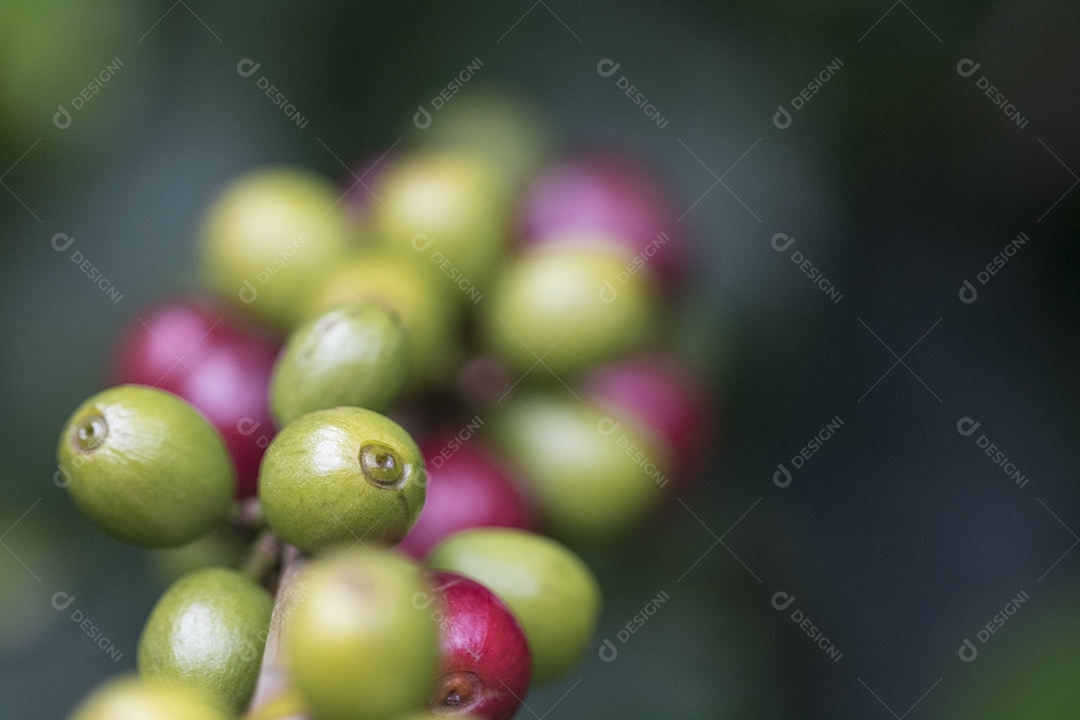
(202, 351)
(353, 355)
(444, 212)
(609, 196)
(208, 632)
(593, 477)
(661, 398)
(571, 306)
(507, 129)
(360, 644)
(484, 665)
(551, 592)
(129, 698)
(270, 238)
(468, 487)
(430, 320)
(146, 466)
(335, 476)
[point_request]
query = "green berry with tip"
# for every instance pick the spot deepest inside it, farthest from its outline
(333, 476)
(146, 466)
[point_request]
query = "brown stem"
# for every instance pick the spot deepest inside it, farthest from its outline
(263, 557)
(273, 680)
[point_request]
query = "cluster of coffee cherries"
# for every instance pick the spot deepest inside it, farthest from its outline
(402, 390)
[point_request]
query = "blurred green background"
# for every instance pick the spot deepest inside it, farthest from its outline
(899, 179)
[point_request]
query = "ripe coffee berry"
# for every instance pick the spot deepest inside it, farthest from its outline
(551, 592)
(485, 665)
(468, 488)
(608, 196)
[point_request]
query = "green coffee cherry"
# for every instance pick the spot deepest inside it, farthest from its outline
(549, 589)
(429, 317)
(129, 698)
(362, 643)
(573, 305)
(335, 476)
(593, 476)
(445, 212)
(353, 355)
(146, 466)
(270, 238)
(508, 129)
(208, 632)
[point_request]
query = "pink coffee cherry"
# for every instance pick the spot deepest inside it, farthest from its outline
(604, 196)
(468, 487)
(485, 663)
(198, 349)
(658, 394)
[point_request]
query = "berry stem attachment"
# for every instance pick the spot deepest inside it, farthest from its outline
(247, 515)
(264, 556)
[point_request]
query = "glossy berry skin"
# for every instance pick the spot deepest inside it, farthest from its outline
(336, 475)
(203, 352)
(409, 292)
(129, 698)
(207, 632)
(360, 643)
(575, 306)
(593, 476)
(468, 487)
(269, 238)
(485, 664)
(606, 195)
(355, 354)
(146, 466)
(659, 396)
(551, 592)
